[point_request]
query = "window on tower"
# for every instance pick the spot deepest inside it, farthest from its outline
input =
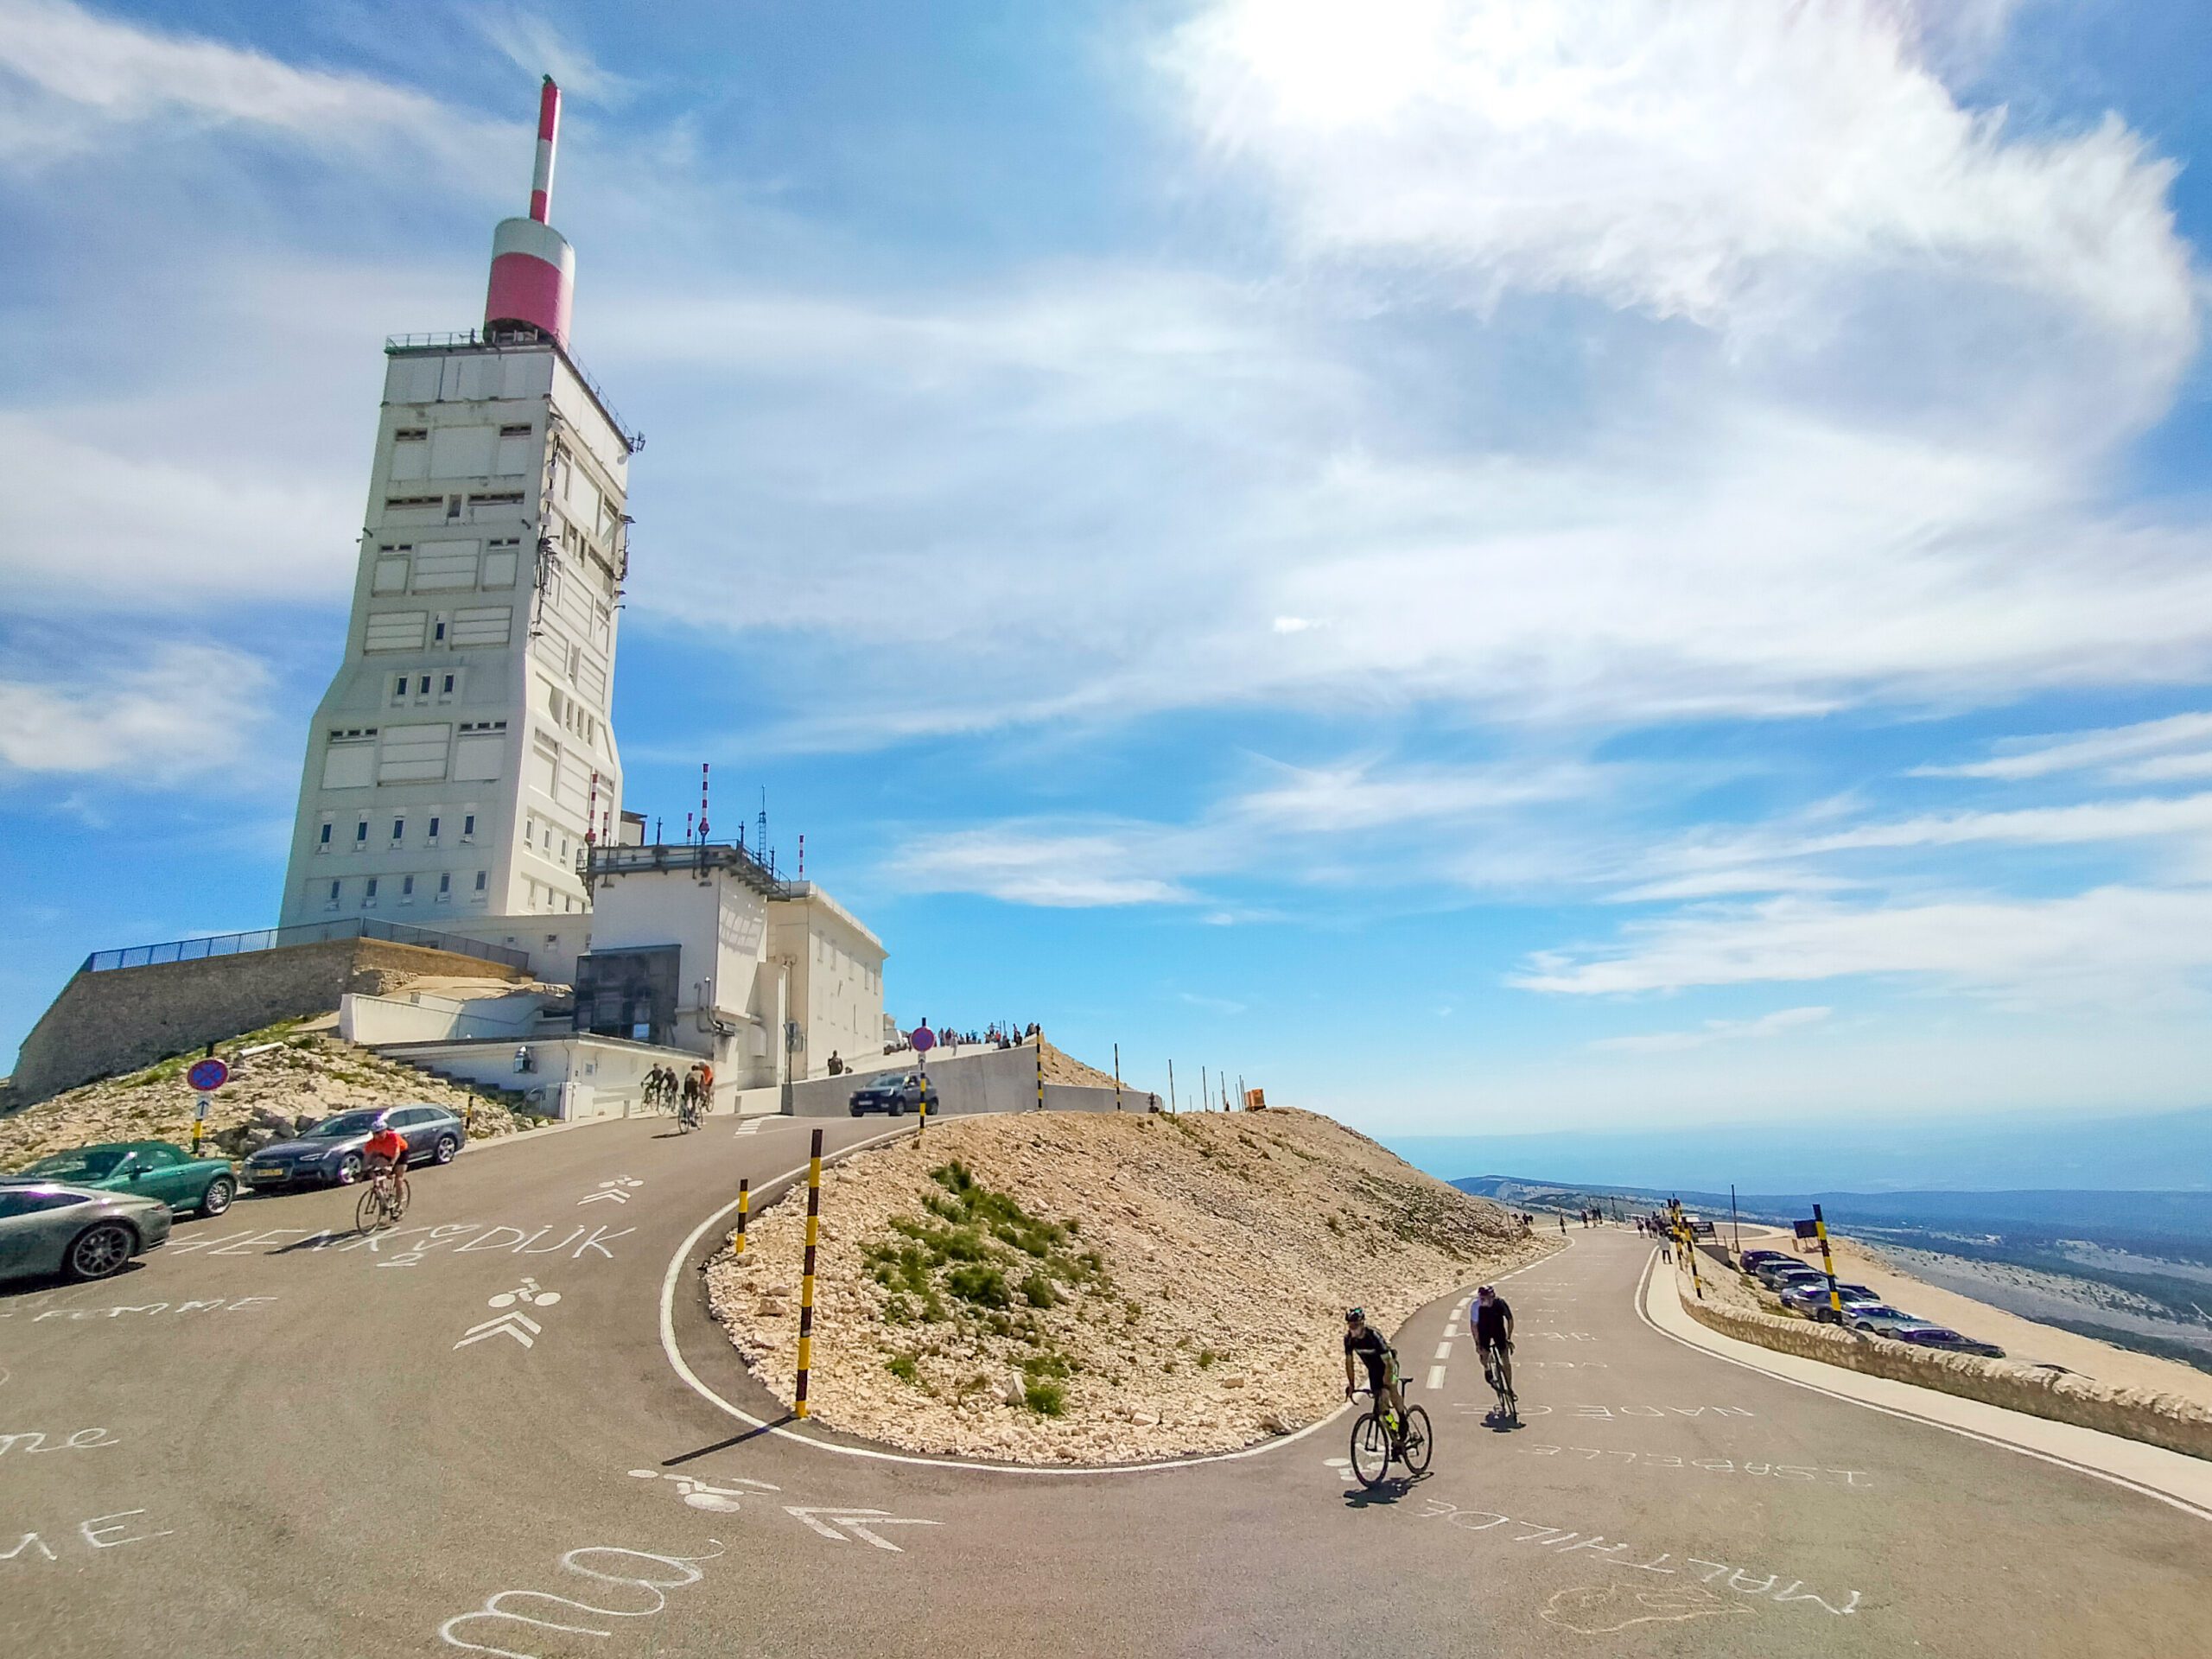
(468, 830)
(333, 895)
(399, 687)
(361, 833)
(398, 828)
(406, 888)
(445, 689)
(479, 881)
(369, 897)
(422, 686)
(434, 829)
(323, 839)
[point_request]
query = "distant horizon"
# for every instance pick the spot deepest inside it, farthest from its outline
(2022, 1152)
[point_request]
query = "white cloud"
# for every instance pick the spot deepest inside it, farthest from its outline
(1368, 795)
(1104, 867)
(2039, 757)
(1714, 1031)
(175, 712)
(82, 78)
(1711, 162)
(2147, 818)
(2117, 944)
(534, 46)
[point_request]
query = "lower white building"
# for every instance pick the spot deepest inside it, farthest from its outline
(705, 949)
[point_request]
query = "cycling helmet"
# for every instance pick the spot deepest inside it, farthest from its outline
(1355, 1315)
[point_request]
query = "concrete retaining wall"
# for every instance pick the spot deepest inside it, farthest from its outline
(105, 1023)
(2163, 1419)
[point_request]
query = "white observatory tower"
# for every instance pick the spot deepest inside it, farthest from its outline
(463, 758)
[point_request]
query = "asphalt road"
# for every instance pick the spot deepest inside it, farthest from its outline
(273, 1439)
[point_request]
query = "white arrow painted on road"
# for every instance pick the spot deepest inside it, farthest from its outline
(856, 1522)
(507, 1325)
(594, 1198)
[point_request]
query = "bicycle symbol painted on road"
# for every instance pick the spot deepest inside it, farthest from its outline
(525, 1292)
(718, 1500)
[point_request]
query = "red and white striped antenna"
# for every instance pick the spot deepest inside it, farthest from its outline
(702, 801)
(548, 135)
(591, 814)
(802, 857)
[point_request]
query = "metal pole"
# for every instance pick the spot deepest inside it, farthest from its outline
(806, 1278)
(1205, 1091)
(1828, 1263)
(744, 1208)
(1117, 1077)
(1737, 1222)
(1171, 1088)
(922, 1104)
(1040, 1068)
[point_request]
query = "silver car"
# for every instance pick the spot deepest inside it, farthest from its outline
(48, 1228)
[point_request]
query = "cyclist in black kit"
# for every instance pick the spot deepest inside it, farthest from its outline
(1362, 1339)
(1494, 1346)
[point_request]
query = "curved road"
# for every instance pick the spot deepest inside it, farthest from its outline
(272, 1438)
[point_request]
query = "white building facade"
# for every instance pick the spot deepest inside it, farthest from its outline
(464, 751)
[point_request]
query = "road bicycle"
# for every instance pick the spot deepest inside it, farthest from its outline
(383, 1201)
(687, 1116)
(1377, 1438)
(1508, 1404)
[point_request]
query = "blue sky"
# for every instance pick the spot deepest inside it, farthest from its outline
(1485, 566)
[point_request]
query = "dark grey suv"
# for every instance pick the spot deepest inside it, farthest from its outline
(894, 1093)
(330, 1152)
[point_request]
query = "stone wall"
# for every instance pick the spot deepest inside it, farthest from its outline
(126, 1018)
(2156, 1419)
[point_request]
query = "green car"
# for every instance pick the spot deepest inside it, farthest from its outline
(151, 1169)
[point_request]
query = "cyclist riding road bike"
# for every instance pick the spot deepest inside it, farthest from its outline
(1494, 1343)
(1365, 1341)
(386, 1154)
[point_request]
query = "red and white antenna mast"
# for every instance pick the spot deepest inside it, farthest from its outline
(533, 267)
(702, 801)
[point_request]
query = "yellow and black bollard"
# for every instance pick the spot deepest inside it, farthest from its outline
(806, 1277)
(922, 1104)
(1827, 1262)
(744, 1208)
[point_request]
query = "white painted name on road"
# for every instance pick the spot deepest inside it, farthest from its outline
(216, 1304)
(1563, 1542)
(575, 1562)
(101, 1532)
(83, 1439)
(454, 1237)
(1711, 1465)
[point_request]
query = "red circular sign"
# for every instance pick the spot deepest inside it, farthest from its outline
(207, 1075)
(922, 1039)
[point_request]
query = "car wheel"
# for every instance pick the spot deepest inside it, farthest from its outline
(217, 1198)
(349, 1169)
(856, 1111)
(445, 1149)
(100, 1250)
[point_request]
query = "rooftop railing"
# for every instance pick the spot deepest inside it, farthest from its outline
(453, 338)
(274, 938)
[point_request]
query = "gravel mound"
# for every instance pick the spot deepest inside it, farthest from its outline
(1083, 1288)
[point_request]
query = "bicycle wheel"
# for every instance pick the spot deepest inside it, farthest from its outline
(368, 1210)
(403, 1193)
(1370, 1449)
(1418, 1444)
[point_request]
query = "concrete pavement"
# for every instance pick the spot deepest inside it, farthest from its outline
(272, 1438)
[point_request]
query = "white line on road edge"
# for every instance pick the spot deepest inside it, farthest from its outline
(691, 1377)
(1644, 1279)
(1435, 1378)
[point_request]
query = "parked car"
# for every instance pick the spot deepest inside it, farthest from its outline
(152, 1169)
(1811, 1297)
(330, 1152)
(894, 1092)
(1752, 1259)
(50, 1227)
(1778, 1275)
(1950, 1341)
(1878, 1318)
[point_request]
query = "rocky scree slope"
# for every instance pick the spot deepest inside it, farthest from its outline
(291, 1078)
(1083, 1288)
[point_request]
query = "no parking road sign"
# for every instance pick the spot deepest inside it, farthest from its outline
(923, 1040)
(207, 1076)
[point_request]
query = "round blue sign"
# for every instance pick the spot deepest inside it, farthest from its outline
(923, 1040)
(207, 1075)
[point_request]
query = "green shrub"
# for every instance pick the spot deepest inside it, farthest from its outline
(901, 1366)
(1206, 1357)
(1046, 1399)
(1038, 1291)
(983, 1286)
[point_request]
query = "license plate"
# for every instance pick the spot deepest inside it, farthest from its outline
(265, 1176)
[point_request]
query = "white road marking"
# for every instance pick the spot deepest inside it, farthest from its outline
(856, 1522)
(1444, 1349)
(1435, 1377)
(507, 1325)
